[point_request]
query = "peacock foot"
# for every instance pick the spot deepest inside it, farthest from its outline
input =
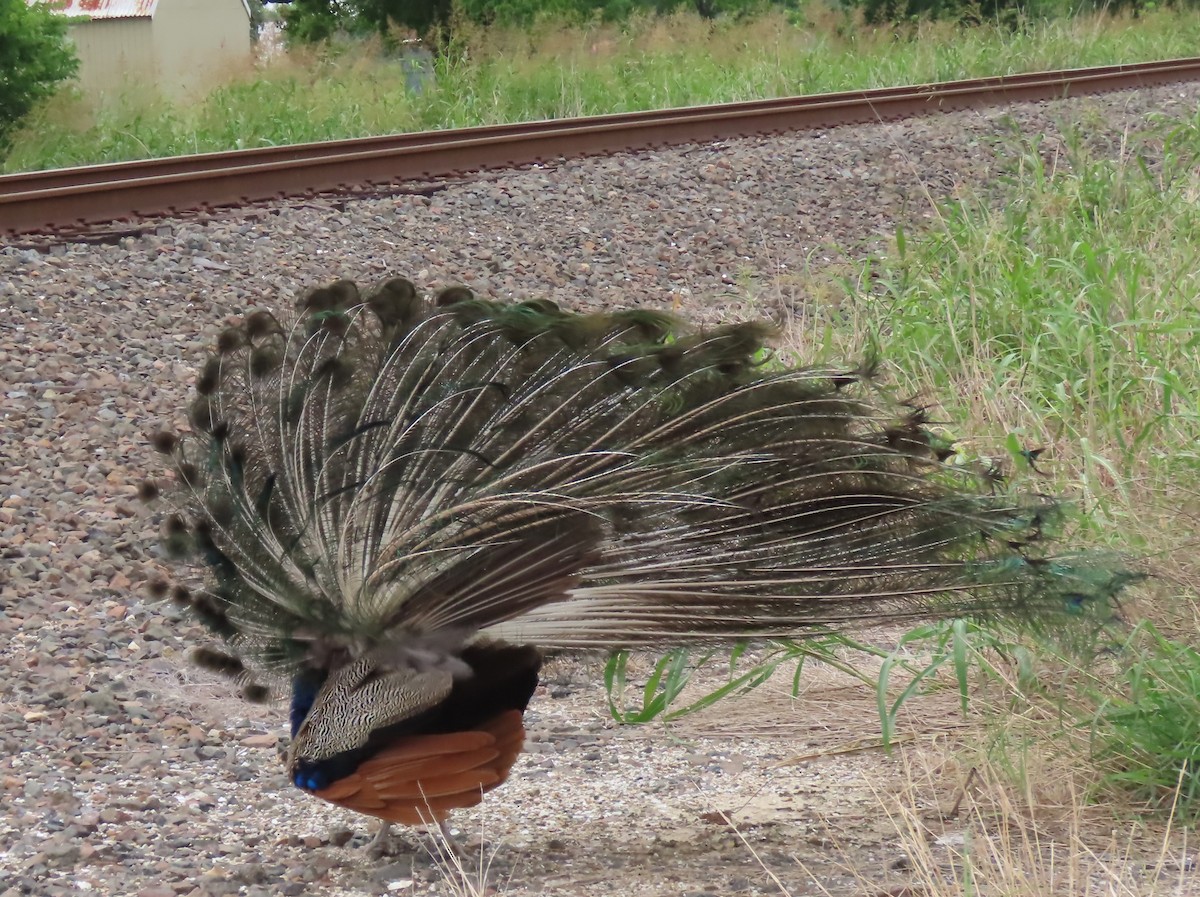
(382, 845)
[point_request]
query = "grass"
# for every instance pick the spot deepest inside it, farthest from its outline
(1146, 735)
(1080, 296)
(1043, 837)
(555, 70)
(461, 872)
(1061, 310)
(1044, 803)
(1013, 798)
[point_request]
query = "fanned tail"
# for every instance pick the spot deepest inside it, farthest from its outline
(392, 473)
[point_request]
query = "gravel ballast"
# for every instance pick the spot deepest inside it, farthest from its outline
(126, 772)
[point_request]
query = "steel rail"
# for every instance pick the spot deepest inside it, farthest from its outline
(73, 199)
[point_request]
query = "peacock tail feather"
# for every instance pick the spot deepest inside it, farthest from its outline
(383, 481)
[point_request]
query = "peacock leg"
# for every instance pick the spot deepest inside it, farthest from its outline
(381, 844)
(451, 842)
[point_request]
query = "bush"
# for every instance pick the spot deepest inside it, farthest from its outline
(312, 21)
(522, 12)
(34, 57)
(1147, 738)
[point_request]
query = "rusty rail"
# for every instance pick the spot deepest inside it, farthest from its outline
(73, 199)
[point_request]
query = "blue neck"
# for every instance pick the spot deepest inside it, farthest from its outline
(305, 686)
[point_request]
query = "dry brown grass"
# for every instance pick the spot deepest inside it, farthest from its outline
(1034, 834)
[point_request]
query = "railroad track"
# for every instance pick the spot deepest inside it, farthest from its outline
(86, 201)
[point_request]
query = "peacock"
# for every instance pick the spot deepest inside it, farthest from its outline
(403, 501)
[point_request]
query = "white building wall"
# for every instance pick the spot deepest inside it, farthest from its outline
(200, 43)
(186, 48)
(114, 55)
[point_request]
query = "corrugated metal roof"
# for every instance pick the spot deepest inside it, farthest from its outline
(105, 9)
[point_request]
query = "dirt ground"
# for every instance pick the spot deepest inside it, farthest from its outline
(766, 794)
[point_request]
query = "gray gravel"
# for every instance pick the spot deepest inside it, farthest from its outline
(125, 772)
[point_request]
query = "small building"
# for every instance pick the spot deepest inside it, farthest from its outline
(176, 48)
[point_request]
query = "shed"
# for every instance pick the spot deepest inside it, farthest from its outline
(172, 47)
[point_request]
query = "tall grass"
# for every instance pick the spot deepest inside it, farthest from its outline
(1063, 311)
(1146, 734)
(555, 70)
(1060, 311)
(1070, 313)
(1042, 837)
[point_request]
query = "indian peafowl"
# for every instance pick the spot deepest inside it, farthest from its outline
(402, 502)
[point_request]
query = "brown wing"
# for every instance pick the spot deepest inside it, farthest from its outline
(421, 778)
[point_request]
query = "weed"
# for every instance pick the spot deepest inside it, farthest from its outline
(551, 70)
(1146, 735)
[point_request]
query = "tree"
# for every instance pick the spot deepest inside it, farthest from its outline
(310, 21)
(421, 16)
(258, 17)
(35, 57)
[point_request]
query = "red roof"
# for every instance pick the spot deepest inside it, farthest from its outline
(106, 9)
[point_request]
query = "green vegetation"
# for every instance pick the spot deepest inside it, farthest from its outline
(1147, 735)
(962, 647)
(309, 21)
(34, 58)
(352, 89)
(1077, 299)
(1062, 310)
